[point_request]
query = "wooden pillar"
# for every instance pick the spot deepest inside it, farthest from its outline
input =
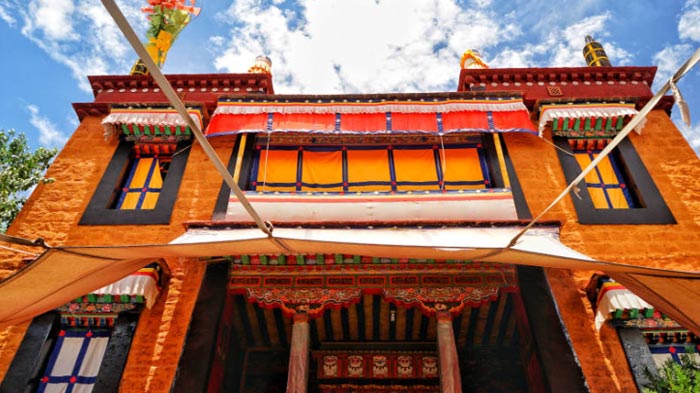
(298, 376)
(450, 378)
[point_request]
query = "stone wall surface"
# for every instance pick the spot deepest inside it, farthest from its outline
(53, 212)
(674, 168)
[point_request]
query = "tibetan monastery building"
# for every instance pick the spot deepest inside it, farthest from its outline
(385, 261)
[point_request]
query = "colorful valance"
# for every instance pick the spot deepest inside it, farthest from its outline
(588, 120)
(101, 307)
(141, 123)
(616, 301)
(371, 116)
(142, 284)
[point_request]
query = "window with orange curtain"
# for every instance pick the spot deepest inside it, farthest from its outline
(606, 183)
(619, 190)
(369, 168)
(142, 184)
(139, 185)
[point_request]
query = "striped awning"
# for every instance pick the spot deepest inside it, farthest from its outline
(370, 116)
(141, 285)
(587, 120)
(615, 301)
(145, 123)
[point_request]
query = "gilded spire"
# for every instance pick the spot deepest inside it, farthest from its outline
(262, 65)
(594, 54)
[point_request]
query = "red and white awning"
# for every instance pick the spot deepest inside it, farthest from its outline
(587, 120)
(371, 116)
(613, 297)
(162, 122)
(141, 283)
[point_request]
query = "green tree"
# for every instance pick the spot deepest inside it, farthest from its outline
(676, 378)
(20, 170)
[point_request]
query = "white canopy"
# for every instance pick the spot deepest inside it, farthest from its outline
(69, 272)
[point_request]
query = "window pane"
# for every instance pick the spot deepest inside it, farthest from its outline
(605, 169)
(617, 198)
(584, 160)
(142, 168)
(598, 197)
(130, 200)
(605, 183)
(143, 185)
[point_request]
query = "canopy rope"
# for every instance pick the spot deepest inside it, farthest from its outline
(24, 242)
(175, 101)
(625, 131)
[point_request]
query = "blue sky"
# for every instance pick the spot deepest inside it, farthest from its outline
(328, 46)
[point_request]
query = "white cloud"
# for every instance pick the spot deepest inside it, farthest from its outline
(79, 34)
(362, 45)
(689, 22)
(668, 60)
(49, 135)
(53, 18)
(692, 133)
(5, 15)
(561, 46)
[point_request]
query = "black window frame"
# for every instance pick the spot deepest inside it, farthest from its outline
(653, 209)
(99, 212)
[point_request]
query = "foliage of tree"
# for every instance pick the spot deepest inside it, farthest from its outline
(676, 378)
(20, 170)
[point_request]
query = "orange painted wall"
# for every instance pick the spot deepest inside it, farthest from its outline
(674, 168)
(53, 212)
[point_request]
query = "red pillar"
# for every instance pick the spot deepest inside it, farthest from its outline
(298, 376)
(450, 378)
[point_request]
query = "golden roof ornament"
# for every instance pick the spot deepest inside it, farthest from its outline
(594, 53)
(471, 60)
(262, 65)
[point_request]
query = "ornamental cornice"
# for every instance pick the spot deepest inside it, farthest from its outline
(214, 83)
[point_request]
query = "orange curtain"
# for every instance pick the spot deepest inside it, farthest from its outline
(416, 166)
(603, 184)
(368, 165)
(143, 170)
(463, 164)
(322, 168)
(277, 166)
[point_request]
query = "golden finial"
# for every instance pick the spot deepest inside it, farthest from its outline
(594, 54)
(471, 59)
(262, 65)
